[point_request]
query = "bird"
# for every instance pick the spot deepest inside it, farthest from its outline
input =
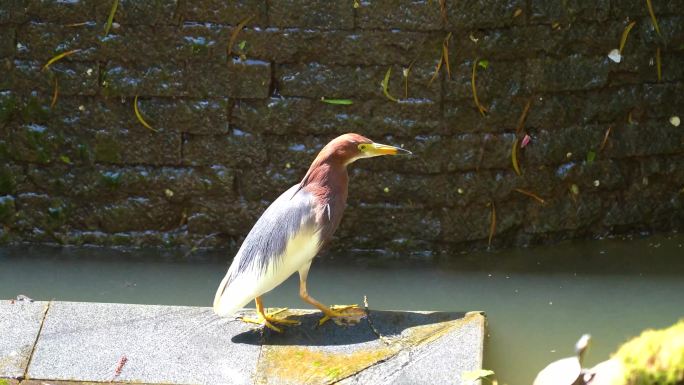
(292, 231)
(566, 371)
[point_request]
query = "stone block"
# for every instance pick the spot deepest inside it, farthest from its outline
(238, 149)
(133, 213)
(61, 12)
(564, 213)
(134, 12)
(19, 325)
(420, 15)
(499, 79)
(387, 222)
(237, 79)
(195, 116)
(13, 12)
(73, 78)
(483, 14)
(652, 137)
(226, 12)
(373, 118)
(316, 80)
(568, 11)
(370, 47)
(574, 72)
(226, 216)
(563, 145)
(7, 42)
(43, 41)
(318, 14)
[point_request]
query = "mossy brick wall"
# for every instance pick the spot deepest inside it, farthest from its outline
(232, 131)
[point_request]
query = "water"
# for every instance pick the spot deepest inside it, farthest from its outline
(539, 300)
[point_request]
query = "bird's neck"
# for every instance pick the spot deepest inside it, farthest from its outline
(327, 179)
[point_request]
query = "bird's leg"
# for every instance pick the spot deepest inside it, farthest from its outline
(340, 314)
(267, 318)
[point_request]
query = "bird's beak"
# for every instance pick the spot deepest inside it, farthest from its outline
(377, 149)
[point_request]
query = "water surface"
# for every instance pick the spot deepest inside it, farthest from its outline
(538, 300)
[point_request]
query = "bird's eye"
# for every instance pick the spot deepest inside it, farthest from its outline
(363, 147)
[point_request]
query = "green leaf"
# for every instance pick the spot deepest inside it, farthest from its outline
(337, 101)
(242, 45)
(474, 375)
(484, 63)
(65, 159)
(591, 156)
(110, 18)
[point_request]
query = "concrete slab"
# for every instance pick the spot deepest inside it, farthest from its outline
(390, 347)
(161, 344)
(19, 326)
(94, 342)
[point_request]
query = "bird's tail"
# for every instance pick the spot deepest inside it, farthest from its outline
(231, 297)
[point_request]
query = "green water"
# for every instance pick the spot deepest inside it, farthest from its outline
(538, 300)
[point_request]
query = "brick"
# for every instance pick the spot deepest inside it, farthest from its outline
(126, 214)
(239, 149)
(95, 183)
(609, 105)
(500, 78)
(663, 100)
(390, 222)
(135, 12)
(249, 79)
(196, 116)
(73, 78)
(405, 15)
(8, 106)
(568, 11)
(266, 183)
(319, 14)
(316, 80)
(652, 137)
(340, 47)
(226, 12)
(62, 12)
(483, 14)
(43, 41)
(462, 116)
(622, 9)
(13, 12)
(7, 42)
(102, 129)
(309, 116)
(570, 73)
(226, 216)
(555, 144)
(564, 213)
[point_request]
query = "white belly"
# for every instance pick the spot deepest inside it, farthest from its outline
(244, 288)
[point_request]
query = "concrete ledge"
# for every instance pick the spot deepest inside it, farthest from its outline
(97, 342)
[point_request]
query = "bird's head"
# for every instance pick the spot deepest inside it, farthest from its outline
(350, 147)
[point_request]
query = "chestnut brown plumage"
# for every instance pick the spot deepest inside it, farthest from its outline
(293, 229)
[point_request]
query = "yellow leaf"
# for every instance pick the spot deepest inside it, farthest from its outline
(514, 157)
(473, 375)
(139, 115)
(625, 33)
(236, 32)
(385, 85)
(473, 78)
(59, 57)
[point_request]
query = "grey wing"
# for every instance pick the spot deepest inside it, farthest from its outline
(266, 242)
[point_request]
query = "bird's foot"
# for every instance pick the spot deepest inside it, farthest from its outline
(268, 320)
(343, 315)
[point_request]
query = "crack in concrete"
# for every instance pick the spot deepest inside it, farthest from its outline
(35, 342)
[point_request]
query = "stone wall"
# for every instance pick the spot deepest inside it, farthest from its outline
(232, 131)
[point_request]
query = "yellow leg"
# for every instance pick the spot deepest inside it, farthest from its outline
(267, 318)
(340, 314)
